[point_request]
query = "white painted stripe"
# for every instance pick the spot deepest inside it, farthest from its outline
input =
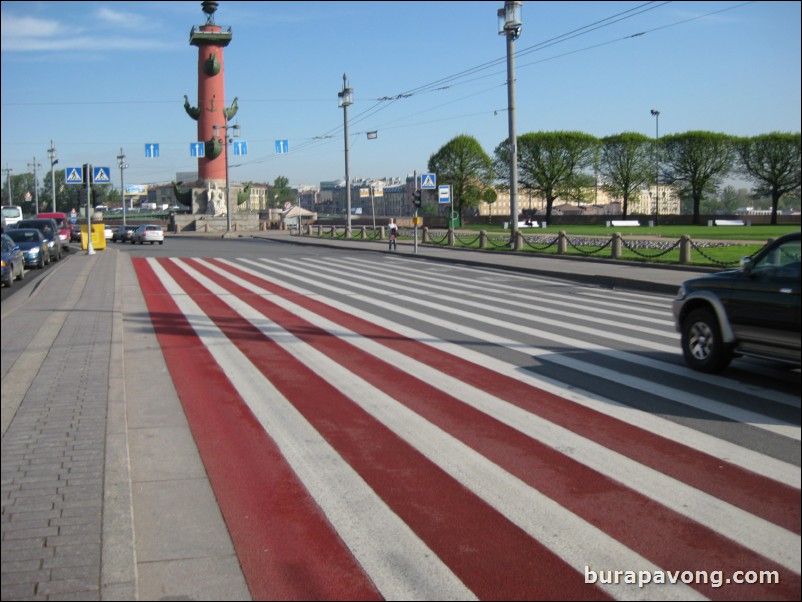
(568, 536)
(373, 533)
(724, 450)
(502, 293)
(514, 319)
(744, 416)
(413, 279)
(765, 538)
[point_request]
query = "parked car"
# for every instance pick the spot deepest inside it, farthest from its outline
(108, 232)
(13, 261)
(33, 246)
(64, 228)
(148, 233)
(47, 226)
(752, 311)
(123, 233)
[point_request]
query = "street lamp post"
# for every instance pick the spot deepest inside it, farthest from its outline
(51, 154)
(509, 25)
(656, 115)
(345, 99)
(229, 139)
(122, 165)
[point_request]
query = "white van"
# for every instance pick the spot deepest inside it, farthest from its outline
(11, 215)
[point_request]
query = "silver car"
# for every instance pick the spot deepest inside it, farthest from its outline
(148, 233)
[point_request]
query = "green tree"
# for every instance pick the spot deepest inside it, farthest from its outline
(773, 162)
(699, 161)
(281, 192)
(464, 165)
(625, 165)
(550, 163)
(20, 185)
(69, 196)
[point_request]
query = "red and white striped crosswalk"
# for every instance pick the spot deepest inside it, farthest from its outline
(354, 458)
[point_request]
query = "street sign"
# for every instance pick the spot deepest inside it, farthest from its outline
(282, 147)
(444, 193)
(240, 147)
(197, 149)
(152, 151)
(74, 175)
(428, 181)
(101, 175)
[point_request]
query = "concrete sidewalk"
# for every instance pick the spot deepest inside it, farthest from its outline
(104, 493)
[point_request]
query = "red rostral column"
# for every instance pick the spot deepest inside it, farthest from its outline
(211, 110)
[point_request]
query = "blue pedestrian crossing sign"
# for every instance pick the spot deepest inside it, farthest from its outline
(101, 175)
(428, 181)
(240, 147)
(197, 149)
(152, 151)
(74, 175)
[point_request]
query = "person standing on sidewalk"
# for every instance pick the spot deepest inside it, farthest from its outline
(392, 230)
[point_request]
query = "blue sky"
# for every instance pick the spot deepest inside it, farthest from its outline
(95, 77)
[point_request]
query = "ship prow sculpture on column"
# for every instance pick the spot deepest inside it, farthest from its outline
(211, 115)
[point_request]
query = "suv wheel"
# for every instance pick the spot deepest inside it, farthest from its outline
(702, 345)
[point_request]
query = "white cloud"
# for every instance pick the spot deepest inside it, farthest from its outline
(121, 19)
(16, 28)
(31, 34)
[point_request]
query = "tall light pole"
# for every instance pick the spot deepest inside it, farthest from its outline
(51, 154)
(122, 165)
(228, 140)
(345, 99)
(35, 166)
(509, 25)
(656, 115)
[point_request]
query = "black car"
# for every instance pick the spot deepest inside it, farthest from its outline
(751, 311)
(123, 233)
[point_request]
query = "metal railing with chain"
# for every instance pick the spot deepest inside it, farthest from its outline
(542, 244)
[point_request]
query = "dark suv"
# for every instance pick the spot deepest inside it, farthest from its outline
(751, 311)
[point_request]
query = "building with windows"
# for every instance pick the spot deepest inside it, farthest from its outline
(646, 203)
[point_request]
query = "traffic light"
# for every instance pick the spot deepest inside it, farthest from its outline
(416, 200)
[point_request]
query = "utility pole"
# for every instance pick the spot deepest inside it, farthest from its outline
(7, 171)
(346, 99)
(122, 165)
(51, 153)
(35, 166)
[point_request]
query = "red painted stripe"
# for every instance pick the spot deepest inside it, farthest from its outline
(286, 547)
(588, 494)
(763, 497)
(492, 556)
